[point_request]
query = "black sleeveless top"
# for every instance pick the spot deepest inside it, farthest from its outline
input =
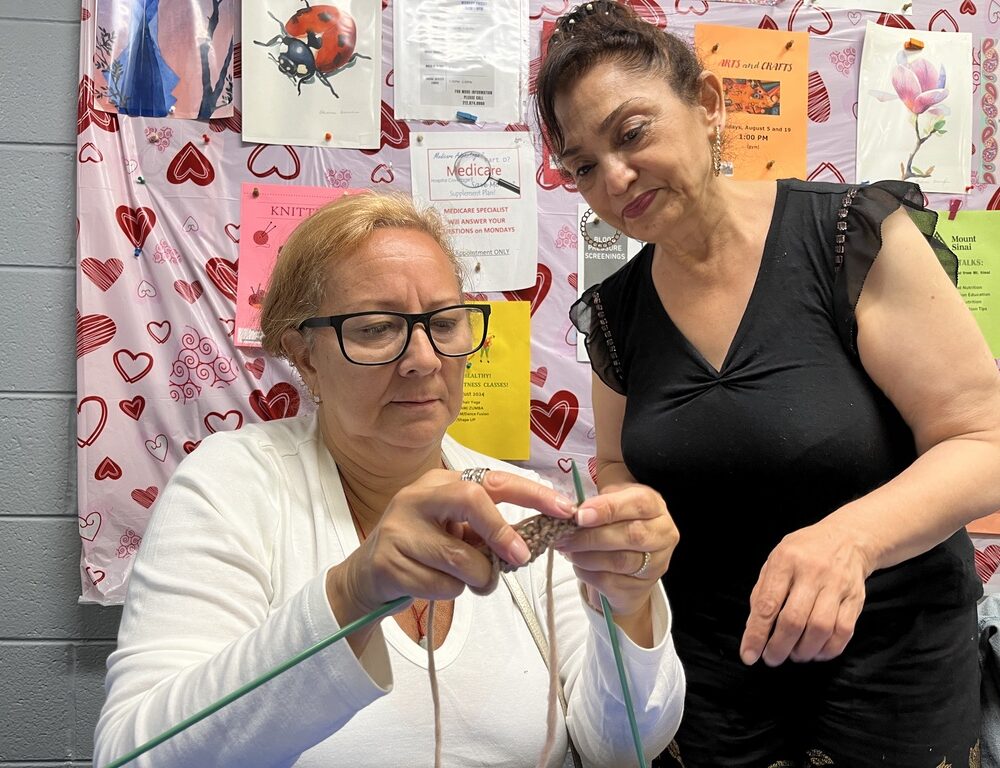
(791, 428)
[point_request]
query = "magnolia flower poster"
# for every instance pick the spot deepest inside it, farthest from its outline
(915, 108)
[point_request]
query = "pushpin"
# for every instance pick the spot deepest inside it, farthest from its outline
(907, 6)
(913, 44)
(953, 206)
(789, 44)
(140, 180)
(327, 135)
(205, 138)
(255, 193)
(715, 48)
(137, 252)
(770, 164)
(153, 138)
(466, 117)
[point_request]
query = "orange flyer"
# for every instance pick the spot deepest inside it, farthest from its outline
(765, 75)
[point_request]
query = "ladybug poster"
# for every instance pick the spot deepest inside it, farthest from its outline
(268, 214)
(177, 64)
(312, 72)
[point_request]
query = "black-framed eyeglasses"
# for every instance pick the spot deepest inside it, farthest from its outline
(378, 338)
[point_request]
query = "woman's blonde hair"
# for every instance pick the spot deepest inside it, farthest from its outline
(298, 283)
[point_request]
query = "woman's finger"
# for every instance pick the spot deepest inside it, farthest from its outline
(819, 627)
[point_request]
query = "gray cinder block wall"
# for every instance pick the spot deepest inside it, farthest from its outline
(52, 650)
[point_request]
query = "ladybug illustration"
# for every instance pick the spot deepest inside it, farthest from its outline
(318, 41)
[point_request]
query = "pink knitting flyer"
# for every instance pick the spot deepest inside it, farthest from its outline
(268, 214)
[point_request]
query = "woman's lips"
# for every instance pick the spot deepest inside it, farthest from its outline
(638, 206)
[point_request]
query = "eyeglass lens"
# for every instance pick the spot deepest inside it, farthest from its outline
(375, 337)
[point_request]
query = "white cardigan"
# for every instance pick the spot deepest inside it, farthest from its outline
(229, 582)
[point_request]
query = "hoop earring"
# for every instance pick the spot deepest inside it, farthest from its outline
(717, 152)
(593, 242)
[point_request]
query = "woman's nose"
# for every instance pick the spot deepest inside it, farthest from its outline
(420, 355)
(618, 176)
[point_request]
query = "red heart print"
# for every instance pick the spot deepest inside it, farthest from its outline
(592, 468)
(994, 203)
(108, 470)
(188, 291)
(987, 562)
(222, 273)
(535, 294)
(810, 28)
(102, 273)
(538, 377)
(281, 401)
(190, 445)
(93, 332)
(894, 20)
(159, 331)
(133, 366)
(565, 464)
(256, 367)
(767, 23)
(89, 154)
(967, 7)
(553, 420)
(390, 79)
(190, 165)
(947, 22)
(697, 7)
(382, 174)
(827, 170)
(136, 223)
(101, 417)
(819, 99)
(233, 232)
(571, 278)
(145, 496)
(229, 323)
(395, 133)
(545, 10)
(233, 123)
(90, 525)
(237, 67)
(133, 408)
(96, 575)
(157, 447)
(219, 422)
(651, 12)
(87, 115)
(257, 163)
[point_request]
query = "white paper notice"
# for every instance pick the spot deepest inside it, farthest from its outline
(483, 185)
(598, 256)
(312, 75)
(469, 56)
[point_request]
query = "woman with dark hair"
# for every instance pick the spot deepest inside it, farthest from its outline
(819, 446)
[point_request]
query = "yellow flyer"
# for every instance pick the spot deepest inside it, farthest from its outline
(764, 75)
(494, 417)
(973, 236)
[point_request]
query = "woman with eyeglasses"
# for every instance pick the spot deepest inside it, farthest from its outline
(787, 363)
(269, 539)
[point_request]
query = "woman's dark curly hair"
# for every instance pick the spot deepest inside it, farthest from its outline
(603, 32)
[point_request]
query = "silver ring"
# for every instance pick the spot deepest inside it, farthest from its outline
(474, 474)
(646, 557)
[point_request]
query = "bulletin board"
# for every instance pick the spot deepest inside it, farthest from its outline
(158, 234)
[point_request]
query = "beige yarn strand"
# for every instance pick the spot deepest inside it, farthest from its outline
(539, 532)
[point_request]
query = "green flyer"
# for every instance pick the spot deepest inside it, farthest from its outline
(974, 236)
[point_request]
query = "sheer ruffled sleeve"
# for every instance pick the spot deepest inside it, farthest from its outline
(858, 240)
(589, 316)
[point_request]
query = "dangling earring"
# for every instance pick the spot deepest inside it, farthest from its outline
(593, 242)
(316, 398)
(717, 152)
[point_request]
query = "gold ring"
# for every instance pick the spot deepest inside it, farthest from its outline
(646, 557)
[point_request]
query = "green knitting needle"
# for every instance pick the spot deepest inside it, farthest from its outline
(613, 634)
(378, 613)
